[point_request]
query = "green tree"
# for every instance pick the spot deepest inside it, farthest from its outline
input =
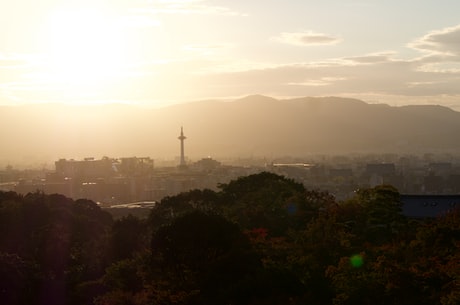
(129, 235)
(19, 279)
(421, 269)
(264, 200)
(65, 240)
(381, 217)
(174, 206)
(203, 257)
(435, 257)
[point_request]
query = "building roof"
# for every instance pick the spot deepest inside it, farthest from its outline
(428, 206)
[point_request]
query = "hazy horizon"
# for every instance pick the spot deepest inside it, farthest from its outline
(254, 126)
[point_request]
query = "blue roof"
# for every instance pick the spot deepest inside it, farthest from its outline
(428, 206)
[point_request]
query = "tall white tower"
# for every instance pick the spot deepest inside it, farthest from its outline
(182, 155)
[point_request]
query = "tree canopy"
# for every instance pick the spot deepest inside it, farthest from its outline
(260, 239)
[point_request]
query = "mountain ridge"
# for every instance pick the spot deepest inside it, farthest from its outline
(250, 126)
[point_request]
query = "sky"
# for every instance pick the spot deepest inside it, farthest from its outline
(159, 52)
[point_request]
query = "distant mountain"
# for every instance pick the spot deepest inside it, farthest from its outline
(251, 126)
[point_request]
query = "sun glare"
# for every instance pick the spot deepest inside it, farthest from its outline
(84, 47)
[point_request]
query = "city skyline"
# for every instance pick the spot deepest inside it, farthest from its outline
(157, 53)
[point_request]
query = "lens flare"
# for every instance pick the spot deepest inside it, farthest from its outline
(356, 260)
(292, 208)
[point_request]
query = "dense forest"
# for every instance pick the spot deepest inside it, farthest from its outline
(261, 239)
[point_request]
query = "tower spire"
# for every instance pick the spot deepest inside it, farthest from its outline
(182, 155)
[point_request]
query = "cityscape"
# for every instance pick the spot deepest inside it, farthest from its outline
(138, 181)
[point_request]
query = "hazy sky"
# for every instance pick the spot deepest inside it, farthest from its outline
(158, 52)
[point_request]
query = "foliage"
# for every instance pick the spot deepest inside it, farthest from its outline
(64, 240)
(264, 200)
(195, 246)
(171, 207)
(129, 235)
(19, 280)
(261, 239)
(380, 218)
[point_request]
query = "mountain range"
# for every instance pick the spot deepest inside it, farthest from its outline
(251, 126)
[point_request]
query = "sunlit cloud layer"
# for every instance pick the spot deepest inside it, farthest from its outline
(308, 38)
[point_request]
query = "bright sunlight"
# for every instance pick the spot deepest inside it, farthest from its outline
(85, 49)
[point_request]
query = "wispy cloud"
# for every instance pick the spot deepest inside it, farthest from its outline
(441, 50)
(15, 61)
(308, 38)
(433, 75)
(323, 81)
(374, 58)
(379, 74)
(445, 41)
(185, 7)
(207, 49)
(139, 21)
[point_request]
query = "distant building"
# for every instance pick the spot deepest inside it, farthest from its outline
(453, 183)
(440, 168)
(88, 168)
(134, 166)
(341, 172)
(434, 184)
(381, 169)
(382, 173)
(207, 164)
(64, 187)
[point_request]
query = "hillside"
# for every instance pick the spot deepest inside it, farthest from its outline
(251, 126)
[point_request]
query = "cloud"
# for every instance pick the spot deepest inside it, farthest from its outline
(445, 67)
(139, 21)
(382, 76)
(371, 58)
(323, 81)
(445, 41)
(185, 7)
(207, 49)
(371, 75)
(308, 38)
(15, 61)
(441, 50)
(11, 63)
